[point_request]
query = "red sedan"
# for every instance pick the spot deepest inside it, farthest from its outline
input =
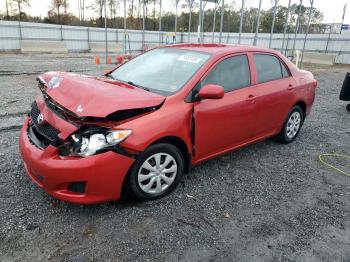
(144, 124)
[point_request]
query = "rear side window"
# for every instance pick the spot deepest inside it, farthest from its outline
(231, 73)
(269, 68)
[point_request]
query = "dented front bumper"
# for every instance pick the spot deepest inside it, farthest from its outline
(102, 175)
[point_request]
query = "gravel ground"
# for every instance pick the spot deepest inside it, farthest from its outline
(265, 202)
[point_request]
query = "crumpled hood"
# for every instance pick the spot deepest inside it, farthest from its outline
(95, 97)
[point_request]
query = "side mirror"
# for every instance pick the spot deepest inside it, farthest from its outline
(211, 91)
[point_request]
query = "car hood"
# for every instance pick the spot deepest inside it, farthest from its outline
(88, 96)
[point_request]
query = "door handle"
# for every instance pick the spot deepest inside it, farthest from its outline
(251, 98)
(290, 87)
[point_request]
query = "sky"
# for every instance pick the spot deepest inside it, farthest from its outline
(332, 10)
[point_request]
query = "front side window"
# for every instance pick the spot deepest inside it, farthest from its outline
(269, 68)
(162, 70)
(231, 73)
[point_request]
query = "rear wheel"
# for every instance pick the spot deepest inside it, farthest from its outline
(348, 107)
(291, 126)
(156, 172)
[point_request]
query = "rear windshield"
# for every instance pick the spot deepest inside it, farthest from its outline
(162, 70)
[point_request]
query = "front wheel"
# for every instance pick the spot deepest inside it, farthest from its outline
(156, 172)
(291, 126)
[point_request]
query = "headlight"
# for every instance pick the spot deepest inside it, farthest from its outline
(90, 143)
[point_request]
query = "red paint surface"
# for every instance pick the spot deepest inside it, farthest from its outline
(241, 117)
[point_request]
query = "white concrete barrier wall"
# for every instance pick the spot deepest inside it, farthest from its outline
(319, 58)
(100, 47)
(78, 39)
(39, 46)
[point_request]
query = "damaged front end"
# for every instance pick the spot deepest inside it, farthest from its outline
(40, 133)
(92, 135)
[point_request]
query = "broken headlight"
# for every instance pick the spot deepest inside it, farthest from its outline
(92, 142)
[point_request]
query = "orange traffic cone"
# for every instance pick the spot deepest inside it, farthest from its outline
(119, 59)
(97, 60)
(109, 60)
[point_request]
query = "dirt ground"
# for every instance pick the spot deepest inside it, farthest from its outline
(265, 202)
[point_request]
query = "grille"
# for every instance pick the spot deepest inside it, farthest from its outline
(34, 113)
(34, 141)
(44, 132)
(48, 131)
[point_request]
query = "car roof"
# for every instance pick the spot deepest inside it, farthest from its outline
(220, 48)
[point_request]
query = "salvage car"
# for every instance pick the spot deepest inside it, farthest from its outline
(137, 129)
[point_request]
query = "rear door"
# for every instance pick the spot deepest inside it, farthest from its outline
(275, 87)
(228, 122)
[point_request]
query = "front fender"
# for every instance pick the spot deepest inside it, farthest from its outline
(173, 119)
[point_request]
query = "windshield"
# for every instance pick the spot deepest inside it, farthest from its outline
(163, 70)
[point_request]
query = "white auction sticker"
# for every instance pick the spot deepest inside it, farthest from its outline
(190, 59)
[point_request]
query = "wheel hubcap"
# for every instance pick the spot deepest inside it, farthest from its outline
(157, 173)
(293, 124)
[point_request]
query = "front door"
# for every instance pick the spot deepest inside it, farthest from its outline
(226, 123)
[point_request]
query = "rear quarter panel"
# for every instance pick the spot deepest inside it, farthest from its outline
(305, 83)
(305, 91)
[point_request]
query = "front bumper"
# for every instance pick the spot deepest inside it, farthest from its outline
(103, 174)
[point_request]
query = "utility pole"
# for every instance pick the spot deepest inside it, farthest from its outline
(160, 22)
(200, 21)
(214, 19)
(79, 9)
(241, 23)
(307, 31)
(106, 32)
(342, 21)
(297, 25)
(83, 12)
(329, 36)
(125, 27)
(273, 23)
(257, 25)
(222, 19)
(143, 22)
(285, 28)
(190, 3)
(176, 4)
(7, 10)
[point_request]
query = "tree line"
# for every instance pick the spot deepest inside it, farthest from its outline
(59, 13)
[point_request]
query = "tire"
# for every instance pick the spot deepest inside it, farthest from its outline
(291, 126)
(348, 107)
(145, 172)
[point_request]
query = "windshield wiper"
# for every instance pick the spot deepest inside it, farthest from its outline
(136, 85)
(132, 84)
